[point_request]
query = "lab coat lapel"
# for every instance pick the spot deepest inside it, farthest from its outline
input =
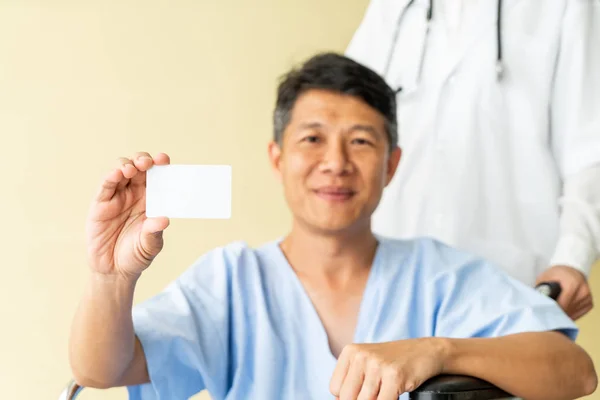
(485, 18)
(374, 39)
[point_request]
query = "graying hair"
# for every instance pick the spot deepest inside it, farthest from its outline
(336, 73)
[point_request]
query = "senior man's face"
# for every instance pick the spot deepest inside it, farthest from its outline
(334, 161)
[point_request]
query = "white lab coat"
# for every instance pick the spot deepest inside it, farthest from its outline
(509, 170)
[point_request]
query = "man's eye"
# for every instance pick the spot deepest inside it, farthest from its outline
(361, 142)
(311, 139)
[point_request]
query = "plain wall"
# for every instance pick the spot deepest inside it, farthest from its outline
(84, 82)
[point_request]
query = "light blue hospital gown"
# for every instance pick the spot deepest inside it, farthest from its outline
(239, 323)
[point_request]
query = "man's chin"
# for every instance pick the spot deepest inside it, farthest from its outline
(340, 226)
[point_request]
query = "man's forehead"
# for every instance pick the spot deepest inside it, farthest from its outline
(332, 106)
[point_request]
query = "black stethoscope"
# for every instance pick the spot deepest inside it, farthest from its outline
(499, 60)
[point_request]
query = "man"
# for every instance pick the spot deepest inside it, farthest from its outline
(329, 308)
(498, 105)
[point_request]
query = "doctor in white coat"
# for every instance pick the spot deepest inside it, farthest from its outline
(499, 121)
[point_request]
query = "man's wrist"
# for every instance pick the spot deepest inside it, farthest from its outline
(124, 280)
(574, 252)
(462, 356)
(445, 349)
(116, 286)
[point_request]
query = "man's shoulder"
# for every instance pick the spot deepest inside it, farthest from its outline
(424, 245)
(432, 255)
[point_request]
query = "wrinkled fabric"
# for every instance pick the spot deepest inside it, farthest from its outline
(239, 323)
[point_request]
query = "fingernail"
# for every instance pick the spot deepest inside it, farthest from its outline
(142, 158)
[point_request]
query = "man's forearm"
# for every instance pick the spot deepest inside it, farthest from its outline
(533, 366)
(103, 343)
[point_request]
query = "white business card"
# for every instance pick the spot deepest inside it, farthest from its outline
(189, 191)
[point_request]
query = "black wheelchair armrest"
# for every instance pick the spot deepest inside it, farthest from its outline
(458, 387)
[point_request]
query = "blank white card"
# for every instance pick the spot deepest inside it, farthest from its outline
(189, 191)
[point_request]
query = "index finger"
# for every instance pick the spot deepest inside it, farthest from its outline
(159, 159)
(339, 373)
(144, 161)
(162, 159)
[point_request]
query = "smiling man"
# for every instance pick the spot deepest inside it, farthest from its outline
(327, 311)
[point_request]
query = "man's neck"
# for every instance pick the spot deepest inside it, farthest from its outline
(333, 257)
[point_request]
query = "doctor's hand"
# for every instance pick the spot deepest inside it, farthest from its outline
(576, 296)
(120, 239)
(383, 371)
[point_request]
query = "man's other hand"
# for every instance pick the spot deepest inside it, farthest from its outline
(576, 296)
(384, 371)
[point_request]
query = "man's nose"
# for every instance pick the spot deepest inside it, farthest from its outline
(335, 159)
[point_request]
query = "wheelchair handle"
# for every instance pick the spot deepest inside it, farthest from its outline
(551, 289)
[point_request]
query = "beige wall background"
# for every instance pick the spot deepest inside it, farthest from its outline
(84, 82)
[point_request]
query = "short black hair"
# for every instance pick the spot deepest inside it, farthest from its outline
(337, 73)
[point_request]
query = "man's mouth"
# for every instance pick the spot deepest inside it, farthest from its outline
(335, 193)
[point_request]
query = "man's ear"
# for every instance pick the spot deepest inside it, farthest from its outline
(275, 158)
(392, 164)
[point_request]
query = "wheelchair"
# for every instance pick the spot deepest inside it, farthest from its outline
(442, 387)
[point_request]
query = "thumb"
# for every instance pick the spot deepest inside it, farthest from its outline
(151, 237)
